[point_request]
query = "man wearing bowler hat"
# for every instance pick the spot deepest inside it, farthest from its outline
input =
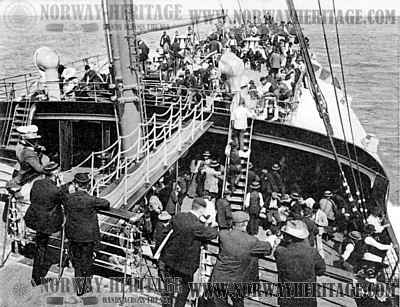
(45, 216)
(82, 229)
(298, 264)
(237, 262)
(181, 253)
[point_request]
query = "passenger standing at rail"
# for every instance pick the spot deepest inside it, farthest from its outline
(298, 262)
(165, 42)
(82, 229)
(181, 253)
(240, 115)
(237, 263)
(329, 207)
(45, 216)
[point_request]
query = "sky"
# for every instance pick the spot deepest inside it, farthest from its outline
(227, 4)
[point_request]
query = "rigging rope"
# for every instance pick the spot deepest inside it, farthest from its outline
(362, 199)
(318, 95)
(338, 107)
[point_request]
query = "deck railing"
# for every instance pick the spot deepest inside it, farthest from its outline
(150, 136)
(24, 85)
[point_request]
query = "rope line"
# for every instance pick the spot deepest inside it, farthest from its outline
(362, 199)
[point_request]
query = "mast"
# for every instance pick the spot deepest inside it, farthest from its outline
(125, 75)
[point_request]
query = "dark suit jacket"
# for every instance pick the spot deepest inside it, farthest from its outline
(238, 257)
(224, 214)
(298, 262)
(312, 229)
(182, 251)
(82, 224)
(45, 213)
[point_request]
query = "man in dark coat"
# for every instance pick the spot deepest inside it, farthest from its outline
(275, 180)
(224, 212)
(181, 253)
(297, 262)
(45, 216)
(82, 229)
(311, 226)
(162, 229)
(238, 259)
(28, 152)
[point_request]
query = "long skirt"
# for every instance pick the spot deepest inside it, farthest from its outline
(252, 226)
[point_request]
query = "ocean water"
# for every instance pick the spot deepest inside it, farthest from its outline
(371, 65)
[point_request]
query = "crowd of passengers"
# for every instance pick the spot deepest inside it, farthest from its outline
(267, 47)
(272, 201)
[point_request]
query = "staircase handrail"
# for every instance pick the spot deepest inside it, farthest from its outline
(144, 145)
(248, 159)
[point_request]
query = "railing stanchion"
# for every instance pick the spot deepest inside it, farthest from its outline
(155, 133)
(92, 174)
(165, 147)
(118, 159)
(180, 130)
(139, 142)
(194, 121)
(147, 165)
(126, 183)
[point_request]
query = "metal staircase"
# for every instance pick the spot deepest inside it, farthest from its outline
(237, 196)
(129, 173)
(20, 118)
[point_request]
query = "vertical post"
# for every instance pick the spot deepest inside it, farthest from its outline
(26, 86)
(139, 141)
(202, 118)
(126, 183)
(147, 165)
(118, 158)
(155, 132)
(170, 127)
(180, 131)
(92, 174)
(165, 147)
(194, 121)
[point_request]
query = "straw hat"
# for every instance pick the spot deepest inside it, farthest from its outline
(255, 185)
(164, 216)
(29, 132)
(276, 167)
(295, 196)
(296, 228)
(328, 193)
(214, 164)
(50, 167)
(206, 154)
(355, 235)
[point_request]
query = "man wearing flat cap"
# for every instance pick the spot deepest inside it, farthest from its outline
(82, 228)
(45, 216)
(298, 264)
(238, 258)
(181, 253)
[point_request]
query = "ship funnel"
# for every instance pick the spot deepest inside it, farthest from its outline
(47, 60)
